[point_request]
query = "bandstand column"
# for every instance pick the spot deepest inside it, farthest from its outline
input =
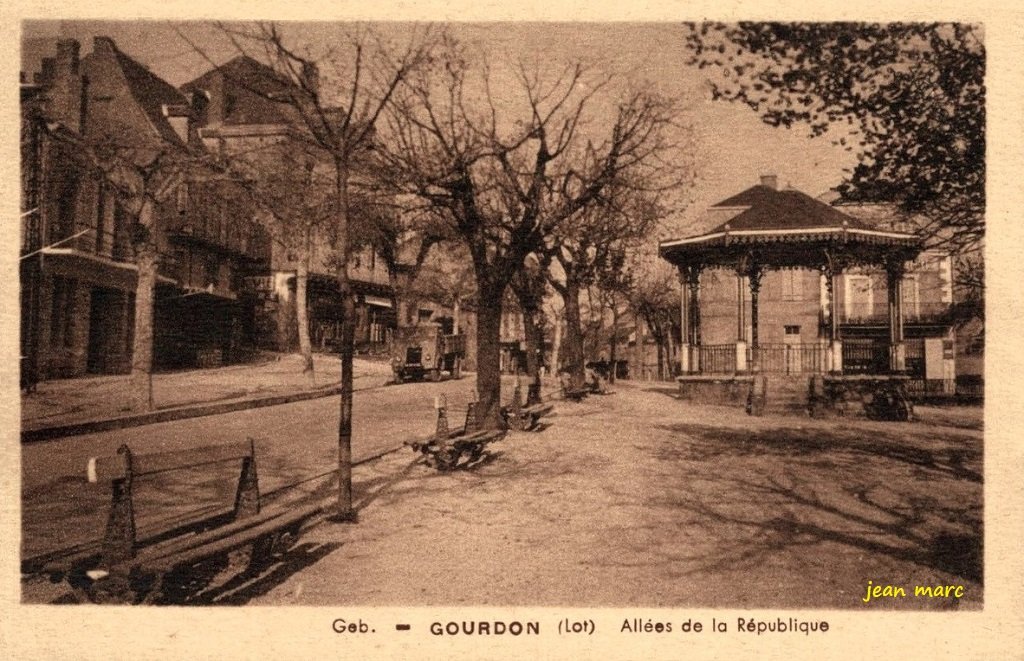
(693, 307)
(897, 348)
(684, 320)
(741, 324)
(754, 273)
(835, 351)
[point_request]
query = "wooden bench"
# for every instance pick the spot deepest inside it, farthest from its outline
(126, 570)
(456, 451)
(463, 448)
(575, 394)
(529, 416)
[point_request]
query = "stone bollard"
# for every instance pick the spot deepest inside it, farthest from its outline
(471, 423)
(517, 399)
(441, 404)
(533, 394)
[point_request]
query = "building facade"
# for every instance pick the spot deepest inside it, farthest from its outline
(78, 269)
(245, 111)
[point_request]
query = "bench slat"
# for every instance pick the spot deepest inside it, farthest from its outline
(208, 544)
(153, 552)
(107, 469)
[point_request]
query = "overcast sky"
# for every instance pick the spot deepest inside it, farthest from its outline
(733, 146)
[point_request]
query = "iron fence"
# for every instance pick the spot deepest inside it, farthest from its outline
(789, 358)
(865, 356)
(718, 358)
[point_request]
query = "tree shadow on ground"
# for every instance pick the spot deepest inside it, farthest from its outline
(952, 456)
(793, 515)
(797, 487)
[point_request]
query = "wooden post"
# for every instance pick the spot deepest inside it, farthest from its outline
(471, 424)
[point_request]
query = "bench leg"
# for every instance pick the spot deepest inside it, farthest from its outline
(119, 539)
(113, 589)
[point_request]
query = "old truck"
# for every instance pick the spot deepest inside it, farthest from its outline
(425, 352)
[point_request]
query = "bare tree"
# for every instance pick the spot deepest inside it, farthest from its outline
(529, 286)
(653, 293)
(286, 182)
(339, 117)
(506, 174)
(145, 173)
(591, 249)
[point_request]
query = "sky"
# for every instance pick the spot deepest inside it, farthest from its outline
(732, 147)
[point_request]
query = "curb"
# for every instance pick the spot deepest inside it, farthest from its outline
(167, 415)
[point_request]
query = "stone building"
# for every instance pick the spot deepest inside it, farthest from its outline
(78, 269)
(245, 110)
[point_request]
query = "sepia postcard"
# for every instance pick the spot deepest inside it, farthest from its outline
(521, 331)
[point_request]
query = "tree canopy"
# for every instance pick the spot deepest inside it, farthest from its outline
(909, 97)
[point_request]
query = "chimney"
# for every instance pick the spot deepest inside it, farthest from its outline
(45, 75)
(770, 181)
(67, 55)
(66, 95)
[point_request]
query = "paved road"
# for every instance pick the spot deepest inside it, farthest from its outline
(293, 441)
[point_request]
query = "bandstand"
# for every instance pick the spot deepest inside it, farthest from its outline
(765, 229)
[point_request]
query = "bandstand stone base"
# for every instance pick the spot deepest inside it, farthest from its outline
(881, 397)
(728, 390)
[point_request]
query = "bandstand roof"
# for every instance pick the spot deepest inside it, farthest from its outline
(786, 228)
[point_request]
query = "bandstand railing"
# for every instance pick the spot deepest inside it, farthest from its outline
(865, 356)
(788, 358)
(717, 358)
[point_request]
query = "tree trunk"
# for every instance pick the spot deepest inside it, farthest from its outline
(639, 355)
(573, 334)
(302, 315)
(344, 508)
(670, 343)
(556, 345)
(488, 361)
(534, 335)
(613, 343)
(661, 356)
(141, 379)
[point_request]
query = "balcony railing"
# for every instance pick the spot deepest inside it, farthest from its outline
(878, 314)
(115, 246)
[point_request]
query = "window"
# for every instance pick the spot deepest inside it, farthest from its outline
(101, 212)
(793, 330)
(66, 209)
(859, 297)
(792, 285)
(61, 312)
(911, 297)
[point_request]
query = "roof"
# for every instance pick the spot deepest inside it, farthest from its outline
(770, 209)
(794, 224)
(256, 81)
(151, 92)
